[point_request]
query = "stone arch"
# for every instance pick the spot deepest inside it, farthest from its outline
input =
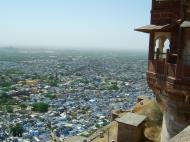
(166, 48)
(166, 45)
(156, 44)
(156, 47)
(162, 43)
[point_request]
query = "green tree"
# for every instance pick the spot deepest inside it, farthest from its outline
(23, 106)
(6, 89)
(9, 109)
(6, 99)
(3, 94)
(17, 130)
(113, 87)
(6, 83)
(40, 107)
(53, 82)
(50, 96)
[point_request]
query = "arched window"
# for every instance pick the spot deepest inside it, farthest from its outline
(162, 44)
(156, 47)
(166, 45)
(156, 44)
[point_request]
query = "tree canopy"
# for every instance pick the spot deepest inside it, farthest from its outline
(40, 107)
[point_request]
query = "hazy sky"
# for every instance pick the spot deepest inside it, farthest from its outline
(74, 23)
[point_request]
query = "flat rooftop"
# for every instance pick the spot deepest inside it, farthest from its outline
(75, 139)
(131, 119)
(183, 136)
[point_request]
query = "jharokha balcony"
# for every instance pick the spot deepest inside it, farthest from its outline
(169, 65)
(168, 70)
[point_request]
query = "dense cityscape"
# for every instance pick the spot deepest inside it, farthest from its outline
(52, 93)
